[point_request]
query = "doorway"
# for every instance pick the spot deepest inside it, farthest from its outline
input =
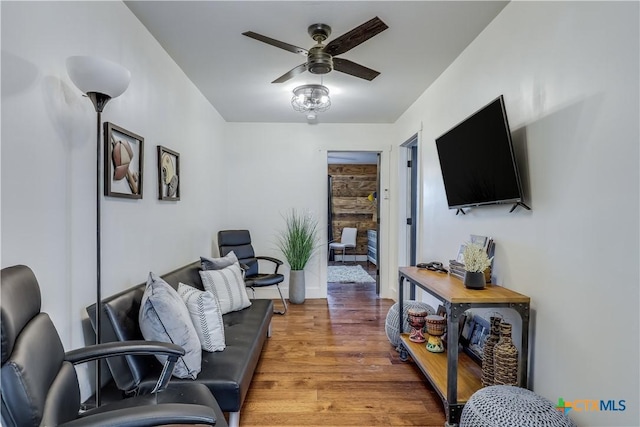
(353, 180)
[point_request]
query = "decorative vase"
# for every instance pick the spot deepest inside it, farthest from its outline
(436, 326)
(474, 279)
(488, 371)
(296, 286)
(416, 319)
(505, 358)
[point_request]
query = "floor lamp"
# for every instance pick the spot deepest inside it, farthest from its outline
(101, 80)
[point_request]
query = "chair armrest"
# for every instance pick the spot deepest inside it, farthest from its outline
(123, 348)
(273, 260)
(276, 261)
(152, 415)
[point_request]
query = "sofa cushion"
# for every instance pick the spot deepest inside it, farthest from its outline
(218, 263)
(164, 317)
(228, 286)
(206, 316)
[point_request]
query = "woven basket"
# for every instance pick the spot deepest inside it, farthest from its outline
(505, 358)
(488, 372)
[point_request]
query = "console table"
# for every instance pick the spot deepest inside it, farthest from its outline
(455, 376)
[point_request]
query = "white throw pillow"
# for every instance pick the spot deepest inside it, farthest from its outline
(164, 317)
(218, 263)
(228, 287)
(206, 316)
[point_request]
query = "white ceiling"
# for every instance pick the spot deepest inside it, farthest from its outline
(234, 72)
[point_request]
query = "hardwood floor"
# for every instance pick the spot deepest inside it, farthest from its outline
(329, 363)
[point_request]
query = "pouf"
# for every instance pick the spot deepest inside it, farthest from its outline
(505, 405)
(391, 324)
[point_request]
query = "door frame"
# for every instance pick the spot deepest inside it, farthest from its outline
(412, 207)
(378, 164)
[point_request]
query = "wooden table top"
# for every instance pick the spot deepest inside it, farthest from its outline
(453, 290)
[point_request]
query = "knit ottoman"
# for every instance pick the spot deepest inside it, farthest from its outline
(505, 405)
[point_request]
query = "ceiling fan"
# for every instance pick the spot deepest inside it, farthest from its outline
(321, 58)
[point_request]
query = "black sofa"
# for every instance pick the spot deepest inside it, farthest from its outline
(226, 373)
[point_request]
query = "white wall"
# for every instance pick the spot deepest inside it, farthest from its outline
(569, 74)
(48, 157)
(277, 167)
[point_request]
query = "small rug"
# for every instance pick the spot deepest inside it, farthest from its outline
(348, 274)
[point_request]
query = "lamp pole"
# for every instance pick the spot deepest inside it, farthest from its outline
(101, 80)
(99, 101)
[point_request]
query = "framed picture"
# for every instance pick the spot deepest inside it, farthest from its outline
(460, 256)
(478, 336)
(168, 174)
(123, 162)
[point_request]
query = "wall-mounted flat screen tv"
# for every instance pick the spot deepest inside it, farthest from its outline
(477, 161)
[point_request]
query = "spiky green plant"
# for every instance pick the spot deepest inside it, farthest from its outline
(298, 240)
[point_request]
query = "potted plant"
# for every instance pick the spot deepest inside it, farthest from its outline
(476, 261)
(298, 243)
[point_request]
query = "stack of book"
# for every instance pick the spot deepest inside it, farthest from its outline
(456, 266)
(456, 269)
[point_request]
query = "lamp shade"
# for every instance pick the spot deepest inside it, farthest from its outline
(92, 74)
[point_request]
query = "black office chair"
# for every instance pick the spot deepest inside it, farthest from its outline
(239, 241)
(39, 385)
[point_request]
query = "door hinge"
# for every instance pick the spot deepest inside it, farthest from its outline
(408, 163)
(409, 221)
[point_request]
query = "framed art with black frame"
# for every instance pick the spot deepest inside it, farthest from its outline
(478, 335)
(168, 174)
(123, 162)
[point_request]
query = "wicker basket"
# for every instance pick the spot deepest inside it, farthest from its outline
(505, 358)
(488, 371)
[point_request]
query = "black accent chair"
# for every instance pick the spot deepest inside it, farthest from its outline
(39, 385)
(239, 241)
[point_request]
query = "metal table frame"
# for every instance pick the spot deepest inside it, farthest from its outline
(453, 408)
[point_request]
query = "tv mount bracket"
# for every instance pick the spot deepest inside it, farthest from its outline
(513, 208)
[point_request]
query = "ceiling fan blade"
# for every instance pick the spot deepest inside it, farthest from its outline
(291, 73)
(277, 43)
(355, 37)
(357, 70)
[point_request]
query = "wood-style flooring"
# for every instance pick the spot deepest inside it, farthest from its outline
(329, 363)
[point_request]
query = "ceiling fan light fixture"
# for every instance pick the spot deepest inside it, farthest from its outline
(311, 99)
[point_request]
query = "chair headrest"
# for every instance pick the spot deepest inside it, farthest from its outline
(233, 238)
(21, 302)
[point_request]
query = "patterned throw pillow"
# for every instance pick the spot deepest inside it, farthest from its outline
(218, 263)
(206, 316)
(164, 317)
(228, 287)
